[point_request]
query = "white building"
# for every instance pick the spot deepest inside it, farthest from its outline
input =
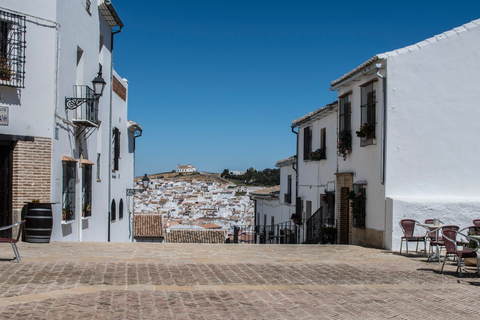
(186, 168)
(66, 144)
(418, 160)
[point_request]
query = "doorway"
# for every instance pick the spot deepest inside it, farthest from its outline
(6, 153)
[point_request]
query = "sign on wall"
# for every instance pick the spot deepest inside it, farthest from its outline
(3, 116)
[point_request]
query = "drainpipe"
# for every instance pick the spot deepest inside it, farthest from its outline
(296, 171)
(384, 123)
(133, 201)
(110, 135)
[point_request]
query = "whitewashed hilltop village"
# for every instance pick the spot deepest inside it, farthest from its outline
(190, 203)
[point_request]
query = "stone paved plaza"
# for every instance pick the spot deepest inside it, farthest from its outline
(65, 280)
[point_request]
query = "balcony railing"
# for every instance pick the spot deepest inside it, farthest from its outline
(321, 230)
(282, 233)
(86, 113)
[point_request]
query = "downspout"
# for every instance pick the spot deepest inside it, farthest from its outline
(383, 142)
(296, 171)
(384, 124)
(110, 136)
(133, 201)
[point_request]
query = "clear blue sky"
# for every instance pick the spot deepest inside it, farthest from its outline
(218, 83)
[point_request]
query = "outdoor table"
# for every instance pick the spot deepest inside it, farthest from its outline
(437, 227)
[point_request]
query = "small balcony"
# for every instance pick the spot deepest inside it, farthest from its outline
(84, 106)
(317, 155)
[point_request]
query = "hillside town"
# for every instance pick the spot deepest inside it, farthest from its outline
(192, 203)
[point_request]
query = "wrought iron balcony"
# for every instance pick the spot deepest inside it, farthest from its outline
(84, 106)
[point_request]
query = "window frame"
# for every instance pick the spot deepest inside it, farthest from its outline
(116, 149)
(12, 49)
(368, 115)
(359, 218)
(87, 174)
(69, 176)
(307, 143)
(345, 112)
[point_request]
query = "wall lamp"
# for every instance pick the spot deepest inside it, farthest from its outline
(88, 96)
(145, 182)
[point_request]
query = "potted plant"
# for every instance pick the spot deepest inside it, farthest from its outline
(365, 130)
(5, 72)
(317, 155)
(344, 144)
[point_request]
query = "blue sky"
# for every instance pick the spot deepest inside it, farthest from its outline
(218, 83)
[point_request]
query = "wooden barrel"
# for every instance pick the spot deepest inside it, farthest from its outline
(39, 222)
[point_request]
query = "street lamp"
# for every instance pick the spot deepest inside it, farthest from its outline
(145, 181)
(98, 85)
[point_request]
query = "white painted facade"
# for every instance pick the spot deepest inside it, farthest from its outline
(186, 168)
(65, 44)
(426, 166)
(317, 177)
(288, 182)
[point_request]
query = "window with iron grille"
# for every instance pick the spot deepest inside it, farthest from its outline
(357, 199)
(116, 148)
(68, 203)
(307, 143)
(345, 113)
(87, 190)
(12, 49)
(368, 117)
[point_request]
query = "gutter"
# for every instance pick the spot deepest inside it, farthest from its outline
(352, 78)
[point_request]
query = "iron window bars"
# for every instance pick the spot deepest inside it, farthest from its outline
(12, 49)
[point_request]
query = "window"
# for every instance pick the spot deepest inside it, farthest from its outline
(113, 213)
(87, 190)
(12, 49)
(120, 209)
(116, 148)
(307, 143)
(357, 199)
(323, 143)
(288, 195)
(345, 113)
(368, 112)
(68, 194)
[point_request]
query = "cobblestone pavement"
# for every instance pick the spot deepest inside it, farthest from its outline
(187, 281)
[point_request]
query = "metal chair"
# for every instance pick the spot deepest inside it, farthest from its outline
(13, 241)
(450, 241)
(408, 227)
(436, 240)
(476, 222)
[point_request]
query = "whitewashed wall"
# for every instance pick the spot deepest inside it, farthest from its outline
(30, 109)
(80, 29)
(432, 154)
(287, 209)
(364, 162)
(316, 177)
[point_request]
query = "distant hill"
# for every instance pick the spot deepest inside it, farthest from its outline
(180, 176)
